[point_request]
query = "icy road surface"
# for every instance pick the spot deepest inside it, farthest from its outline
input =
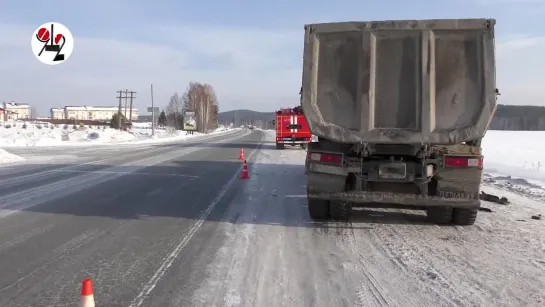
(174, 226)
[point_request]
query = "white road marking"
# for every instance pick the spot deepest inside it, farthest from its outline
(169, 259)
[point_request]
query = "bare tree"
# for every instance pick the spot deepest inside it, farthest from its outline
(203, 100)
(174, 111)
(211, 108)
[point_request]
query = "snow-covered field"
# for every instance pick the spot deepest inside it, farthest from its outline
(515, 161)
(44, 134)
(274, 255)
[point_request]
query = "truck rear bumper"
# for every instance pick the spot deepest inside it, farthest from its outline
(292, 142)
(361, 197)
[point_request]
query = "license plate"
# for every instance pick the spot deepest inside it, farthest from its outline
(392, 171)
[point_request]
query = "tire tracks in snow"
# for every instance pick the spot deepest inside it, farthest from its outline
(371, 292)
(483, 273)
(415, 252)
(377, 250)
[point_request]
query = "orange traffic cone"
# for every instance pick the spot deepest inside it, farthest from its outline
(244, 174)
(241, 154)
(87, 298)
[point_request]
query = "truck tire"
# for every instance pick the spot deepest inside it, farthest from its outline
(304, 146)
(464, 216)
(279, 146)
(318, 209)
(340, 210)
(439, 215)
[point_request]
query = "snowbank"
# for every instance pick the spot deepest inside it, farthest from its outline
(515, 153)
(44, 134)
(6, 157)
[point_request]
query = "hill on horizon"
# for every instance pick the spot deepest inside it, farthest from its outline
(508, 117)
(245, 117)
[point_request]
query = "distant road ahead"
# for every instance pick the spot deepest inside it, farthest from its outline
(115, 219)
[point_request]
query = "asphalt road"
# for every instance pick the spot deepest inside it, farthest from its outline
(119, 215)
(173, 225)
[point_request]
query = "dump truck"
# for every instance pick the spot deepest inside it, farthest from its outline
(399, 108)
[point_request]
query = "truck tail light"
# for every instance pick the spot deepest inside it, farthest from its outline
(468, 161)
(325, 158)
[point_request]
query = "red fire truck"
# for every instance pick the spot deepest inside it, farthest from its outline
(291, 128)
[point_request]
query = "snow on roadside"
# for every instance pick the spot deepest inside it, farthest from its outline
(41, 134)
(520, 186)
(6, 157)
(274, 255)
(515, 153)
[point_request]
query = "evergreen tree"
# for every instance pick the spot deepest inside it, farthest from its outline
(162, 120)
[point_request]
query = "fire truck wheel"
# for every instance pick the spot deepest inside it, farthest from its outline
(279, 146)
(318, 209)
(304, 146)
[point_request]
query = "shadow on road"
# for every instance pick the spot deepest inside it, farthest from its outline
(238, 145)
(181, 188)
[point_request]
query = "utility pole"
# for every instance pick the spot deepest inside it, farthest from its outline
(119, 109)
(126, 96)
(152, 113)
(130, 112)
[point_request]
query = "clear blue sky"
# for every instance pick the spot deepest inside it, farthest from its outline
(250, 51)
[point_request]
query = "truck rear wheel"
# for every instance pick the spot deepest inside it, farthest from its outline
(340, 210)
(318, 209)
(439, 215)
(464, 216)
(279, 146)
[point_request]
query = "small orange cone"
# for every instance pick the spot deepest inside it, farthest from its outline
(244, 174)
(241, 154)
(87, 298)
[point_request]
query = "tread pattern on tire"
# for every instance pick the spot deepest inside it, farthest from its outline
(464, 216)
(318, 209)
(340, 210)
(440, 215)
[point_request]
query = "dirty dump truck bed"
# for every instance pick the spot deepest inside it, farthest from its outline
(412, 82)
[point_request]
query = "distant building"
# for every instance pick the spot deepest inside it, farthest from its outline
(57, 113)
(90, 113)
(14, 111)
